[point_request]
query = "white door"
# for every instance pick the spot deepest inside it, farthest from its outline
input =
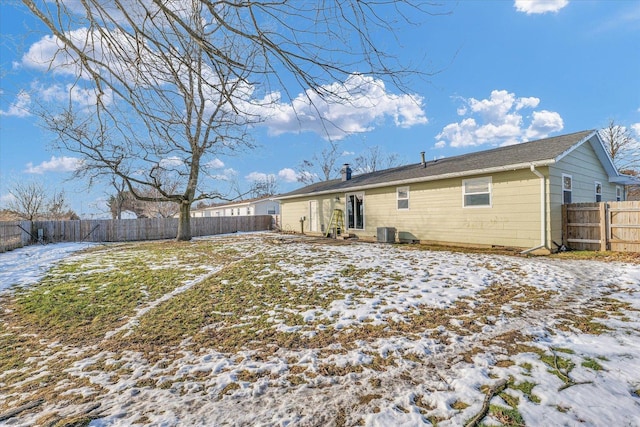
(313, 215)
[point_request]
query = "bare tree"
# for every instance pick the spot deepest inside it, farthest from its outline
(622, 147)
(34, 201)
(264, 187)
(170, 82)
(56, 207)
(323, 166)
(117, 201)
(28, 200)
(160, 208)
(124, 201)
(372, 159)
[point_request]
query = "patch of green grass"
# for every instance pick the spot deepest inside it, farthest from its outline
(527, 367)
(563, 350)
(83, 299)
(592, 364)
(510, 400)
(238, 308)
(89, 305)
(506, 416)
(559, 366)
(526, 387)
(15, 348)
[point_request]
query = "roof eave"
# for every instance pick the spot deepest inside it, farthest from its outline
(600, 151)
(625, 180)
(512, 167)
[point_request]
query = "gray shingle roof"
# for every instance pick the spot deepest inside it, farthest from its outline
(517, 155)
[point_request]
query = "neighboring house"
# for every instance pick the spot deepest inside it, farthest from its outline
(509, 196)
(258, 206)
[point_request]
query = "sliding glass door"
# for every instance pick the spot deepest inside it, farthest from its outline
(355, 211)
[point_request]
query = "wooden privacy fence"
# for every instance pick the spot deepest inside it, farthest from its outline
(602, 226)
(15, 234)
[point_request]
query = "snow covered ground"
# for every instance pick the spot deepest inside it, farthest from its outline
(387, 336)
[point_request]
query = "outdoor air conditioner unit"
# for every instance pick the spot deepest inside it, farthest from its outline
(386, 234)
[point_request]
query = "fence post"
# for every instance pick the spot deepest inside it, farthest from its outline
(603, 226)
(565, 226)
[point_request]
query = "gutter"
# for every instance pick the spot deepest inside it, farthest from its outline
(543, 212)
(401, 182)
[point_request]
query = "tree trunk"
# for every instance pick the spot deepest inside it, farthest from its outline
(184, 224)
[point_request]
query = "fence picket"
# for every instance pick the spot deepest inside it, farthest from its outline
(601, 226)
(12, 235)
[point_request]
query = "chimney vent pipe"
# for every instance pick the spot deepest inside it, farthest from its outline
(346, 172)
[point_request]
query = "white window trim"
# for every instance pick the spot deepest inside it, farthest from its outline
(406, 189)
(595, 190)
(619, 193)
(489, 181)
(562, 190)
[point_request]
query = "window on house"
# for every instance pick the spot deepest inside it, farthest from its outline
(598, 188)
(476, 192)
(402, 194)
(248, 211)
(618, 193)
(271, 212)
(567, 188)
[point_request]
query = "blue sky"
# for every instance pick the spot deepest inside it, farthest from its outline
(503, 72)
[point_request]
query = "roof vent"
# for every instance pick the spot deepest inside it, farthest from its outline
(346, 172)
(423, 162)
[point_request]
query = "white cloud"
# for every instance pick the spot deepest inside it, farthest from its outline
(530, 102)
(47, 54)
(228, 174)
(19, 107)
(288, 175)
(539, 6)
(6, 199)
(56, 164)
(259, 176)
(215, 164)
(80, 96)
(355, 106)
(498, 120)
(543, 123)
(171, 162)
(636, 128)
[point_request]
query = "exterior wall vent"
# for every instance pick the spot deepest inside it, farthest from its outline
(386, 234)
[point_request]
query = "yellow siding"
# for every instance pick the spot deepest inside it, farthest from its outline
(293, 210)
(436, 213)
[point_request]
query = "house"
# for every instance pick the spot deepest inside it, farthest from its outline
(510, 196)
(257, 206)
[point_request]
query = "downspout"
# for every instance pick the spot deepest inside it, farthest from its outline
(543, 212)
